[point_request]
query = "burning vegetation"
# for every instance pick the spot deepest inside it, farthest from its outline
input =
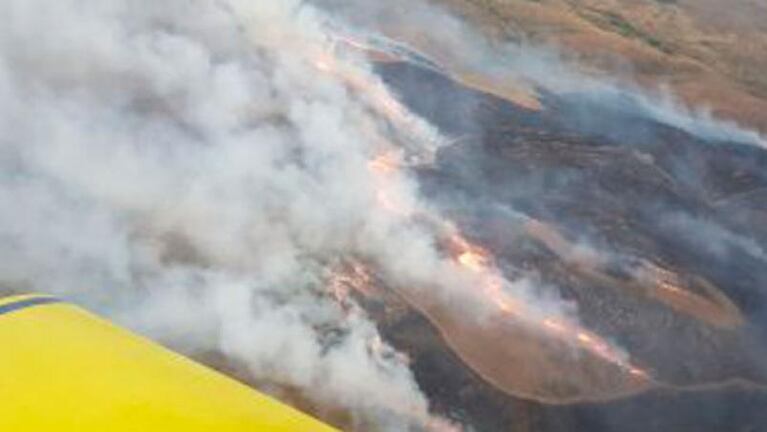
(388, 227)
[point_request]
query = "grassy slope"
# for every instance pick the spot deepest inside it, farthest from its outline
(711, 53)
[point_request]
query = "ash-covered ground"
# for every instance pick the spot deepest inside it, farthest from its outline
(534, 248)
(657, 236)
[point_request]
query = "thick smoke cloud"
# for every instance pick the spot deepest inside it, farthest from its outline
(185, 167)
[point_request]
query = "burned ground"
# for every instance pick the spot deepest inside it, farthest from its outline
(538, 188)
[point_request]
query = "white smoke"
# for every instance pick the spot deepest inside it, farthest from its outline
(450, 39)
(185, 167)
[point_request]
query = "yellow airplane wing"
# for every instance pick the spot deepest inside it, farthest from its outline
(63, 369)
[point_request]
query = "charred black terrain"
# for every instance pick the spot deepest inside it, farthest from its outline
(658, 237)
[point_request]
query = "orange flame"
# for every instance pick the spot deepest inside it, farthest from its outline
(356, 276)
(357, 80)
(385, 164)
(479, 261)
(468, 256)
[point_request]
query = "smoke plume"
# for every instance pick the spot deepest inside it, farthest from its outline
(186, 168)
(200, 171)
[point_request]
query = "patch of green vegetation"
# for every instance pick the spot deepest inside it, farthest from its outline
(614, 22)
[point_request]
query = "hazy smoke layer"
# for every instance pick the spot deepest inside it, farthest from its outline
(186, 167)
(448, 38)
(195, 170)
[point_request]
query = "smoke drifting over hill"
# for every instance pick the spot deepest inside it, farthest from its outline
(185, 166)
(203, 171)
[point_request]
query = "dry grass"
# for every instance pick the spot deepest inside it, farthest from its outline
(709, 52)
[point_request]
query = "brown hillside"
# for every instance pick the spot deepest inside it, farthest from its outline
(710, 53)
